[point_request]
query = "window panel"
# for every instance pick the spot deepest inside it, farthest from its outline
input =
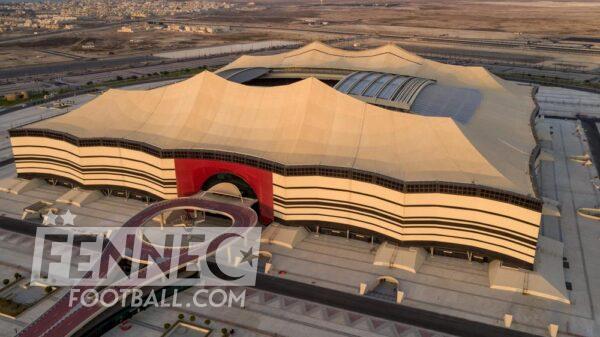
(389, 89)
(379, 83)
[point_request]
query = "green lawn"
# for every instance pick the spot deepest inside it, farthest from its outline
(32, 96)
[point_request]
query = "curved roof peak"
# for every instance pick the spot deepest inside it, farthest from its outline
(387, 58)
(390, 48)
(306, 122)
(207, 78)
(401, 52)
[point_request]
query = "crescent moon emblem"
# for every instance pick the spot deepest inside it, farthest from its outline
(213, 266)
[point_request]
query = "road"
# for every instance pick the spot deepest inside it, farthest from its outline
(449, 40)
(342, 300)
(96, 71)
(453, 40)
(382, 309)
(18, 226)
(74, 65)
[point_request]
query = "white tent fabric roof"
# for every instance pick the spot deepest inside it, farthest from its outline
(500, 127)
(310, 123)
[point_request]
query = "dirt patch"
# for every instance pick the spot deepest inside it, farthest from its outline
(51, 42)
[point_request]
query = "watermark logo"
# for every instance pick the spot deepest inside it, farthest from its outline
(146, 256)
(68, 218)
(163, 298)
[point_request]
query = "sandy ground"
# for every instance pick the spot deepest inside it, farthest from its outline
(11, 57)
(536, 17)
(498, 20)
(109, 43)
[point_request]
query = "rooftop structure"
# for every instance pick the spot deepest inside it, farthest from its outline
(453, 175)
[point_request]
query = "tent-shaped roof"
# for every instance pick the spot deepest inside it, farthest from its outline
(307, 123)
(388, 58)
(499, 128)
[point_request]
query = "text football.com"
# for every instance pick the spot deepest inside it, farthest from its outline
(148, 266)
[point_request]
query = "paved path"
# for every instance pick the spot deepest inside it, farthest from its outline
(385, 310)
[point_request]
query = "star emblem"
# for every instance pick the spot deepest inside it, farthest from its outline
(68, 218)
(50, 219)
(248, 256)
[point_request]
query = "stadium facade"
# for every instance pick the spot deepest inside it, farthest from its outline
(380, 142)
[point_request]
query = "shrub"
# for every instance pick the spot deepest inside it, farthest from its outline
(192, 318)
(48, 289)
(18, 276)
(180, 316)
(167, 326)
(5, 281)
(207, 321)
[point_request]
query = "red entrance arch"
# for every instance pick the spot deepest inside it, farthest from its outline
(191, 174)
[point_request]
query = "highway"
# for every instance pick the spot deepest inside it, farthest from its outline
(62, 320)
(74, 65)
(79, 72)
(440, 39)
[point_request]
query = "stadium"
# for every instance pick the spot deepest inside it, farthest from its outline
(375, 144)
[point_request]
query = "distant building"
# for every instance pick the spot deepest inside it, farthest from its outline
(125, 29)
(11, 97)
(175, 27)
(88, 45)
(217, 29)
(198, 29)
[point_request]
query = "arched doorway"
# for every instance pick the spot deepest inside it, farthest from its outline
(224, 179)
(386, 289)
(227, 189)
(193, 175)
